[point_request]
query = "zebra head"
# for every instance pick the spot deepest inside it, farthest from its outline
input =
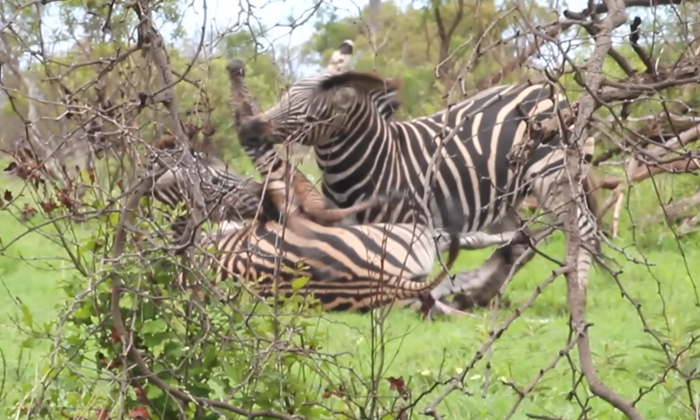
(314, 108)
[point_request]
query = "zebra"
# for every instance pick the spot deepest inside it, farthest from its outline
(361, 152)
(348, 268)
(302, 195)
(341, 275)
(228, 196)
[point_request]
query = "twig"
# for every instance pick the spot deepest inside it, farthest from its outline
(616, 213)
(555, 29)
(457, 381)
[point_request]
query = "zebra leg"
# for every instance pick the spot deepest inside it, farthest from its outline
(487, 280)
(480, 240)
(484, 283)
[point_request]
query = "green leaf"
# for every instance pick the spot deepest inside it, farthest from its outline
(299, 283)
(84, 312)
(199, 390)
(114, 219)
(28, 343)
(153, 392)
(27, 317)
(154, 326)
(174, 349)
(84, 176)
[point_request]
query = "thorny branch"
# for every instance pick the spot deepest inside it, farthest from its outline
(576, 287)
(131, 352)
(552, 33)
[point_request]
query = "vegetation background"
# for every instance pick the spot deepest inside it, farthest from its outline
(59, 355)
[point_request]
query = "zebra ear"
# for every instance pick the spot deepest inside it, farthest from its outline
(344, 97)
(346, 87)
(166, 142)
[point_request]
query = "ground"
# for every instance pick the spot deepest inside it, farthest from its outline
(627, 358)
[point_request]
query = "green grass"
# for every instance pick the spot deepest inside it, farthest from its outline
(422, 352)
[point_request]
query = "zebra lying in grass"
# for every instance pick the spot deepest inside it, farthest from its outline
(351, 268)
(341, 274)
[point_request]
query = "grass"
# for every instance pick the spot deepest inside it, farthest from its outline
(423, 352)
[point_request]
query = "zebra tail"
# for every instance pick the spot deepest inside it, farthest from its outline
(591, 190)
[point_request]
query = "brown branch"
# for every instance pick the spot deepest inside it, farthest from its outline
(40, 148)
(151, 40)
(621, 61)
(446, 35)
(681, 209)
(634, 40)
(130, 350)
(457, 381)
(551, 34)
(576, 287)
(607, 91)
(687, 136)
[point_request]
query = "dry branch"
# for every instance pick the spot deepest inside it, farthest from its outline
(151, 40)
(682, 209)
(552, 34)
(576, 287)
(42, 151)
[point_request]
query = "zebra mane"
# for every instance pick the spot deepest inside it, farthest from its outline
(360, 80)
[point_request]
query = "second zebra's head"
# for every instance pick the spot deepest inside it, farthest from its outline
(315, 109)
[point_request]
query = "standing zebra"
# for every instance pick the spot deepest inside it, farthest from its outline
(412, 250)
(361, 152)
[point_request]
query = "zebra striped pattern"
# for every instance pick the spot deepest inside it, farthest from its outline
(227, 195)
(361, 152)
(348, 267)
(351, 268)
(255, 139)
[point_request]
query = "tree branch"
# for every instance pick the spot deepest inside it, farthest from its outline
(553, 32)
(576, 287)
(150, 39)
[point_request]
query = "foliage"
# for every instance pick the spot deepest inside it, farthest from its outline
(84, 382)
(287, 358)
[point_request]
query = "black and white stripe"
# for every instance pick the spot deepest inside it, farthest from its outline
(349, 268)
(227, 195)
(362, 152)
